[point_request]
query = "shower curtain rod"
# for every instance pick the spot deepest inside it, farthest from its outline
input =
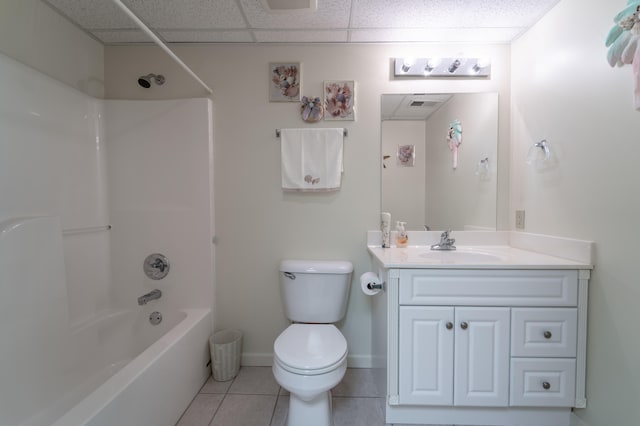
(161, 44)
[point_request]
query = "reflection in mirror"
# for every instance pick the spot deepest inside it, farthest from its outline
(427, 189)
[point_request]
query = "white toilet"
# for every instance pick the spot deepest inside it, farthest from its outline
(310, 356)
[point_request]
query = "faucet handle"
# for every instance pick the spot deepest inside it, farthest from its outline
(156, 266)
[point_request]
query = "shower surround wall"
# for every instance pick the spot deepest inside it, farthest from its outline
(143, 167)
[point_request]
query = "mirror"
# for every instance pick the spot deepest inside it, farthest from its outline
(420, 185)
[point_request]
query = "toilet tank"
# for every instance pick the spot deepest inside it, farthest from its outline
(315, 291)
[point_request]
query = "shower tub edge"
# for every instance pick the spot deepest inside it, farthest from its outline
(157, 386)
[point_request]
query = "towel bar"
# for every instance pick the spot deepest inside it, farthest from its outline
(73, 231)
(344, 131)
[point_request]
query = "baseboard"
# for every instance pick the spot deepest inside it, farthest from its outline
(577, 421)
(359, 361)
(266, 360)
(257, 359)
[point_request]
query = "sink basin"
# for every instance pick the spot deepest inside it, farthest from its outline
(460, 256)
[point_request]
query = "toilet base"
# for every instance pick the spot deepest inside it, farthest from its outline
(316, 412)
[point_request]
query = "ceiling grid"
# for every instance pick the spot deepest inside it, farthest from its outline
(334, 21)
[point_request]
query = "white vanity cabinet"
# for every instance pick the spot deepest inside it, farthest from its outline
(485, 346)
(453, 356)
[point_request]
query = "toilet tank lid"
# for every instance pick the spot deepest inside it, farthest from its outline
(317, 266)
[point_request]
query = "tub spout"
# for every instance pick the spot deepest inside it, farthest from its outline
(152, 295)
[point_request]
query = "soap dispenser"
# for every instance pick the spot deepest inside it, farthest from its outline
(402, 239)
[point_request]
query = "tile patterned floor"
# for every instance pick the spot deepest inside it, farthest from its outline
(254, 398)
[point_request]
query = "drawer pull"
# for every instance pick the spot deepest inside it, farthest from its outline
(449, 325)
(464, 325)
(546, 385)
(547, 334)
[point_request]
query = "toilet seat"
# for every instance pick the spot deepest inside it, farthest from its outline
(310, 349)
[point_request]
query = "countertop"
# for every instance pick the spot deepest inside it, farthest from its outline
(471, 257)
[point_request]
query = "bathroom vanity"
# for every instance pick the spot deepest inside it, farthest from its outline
(488, 334)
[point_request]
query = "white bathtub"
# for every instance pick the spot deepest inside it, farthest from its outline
(149, 373)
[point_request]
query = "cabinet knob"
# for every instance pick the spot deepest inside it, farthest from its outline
(464, 325)
(449, 325)
(547, 334)
(546, 385)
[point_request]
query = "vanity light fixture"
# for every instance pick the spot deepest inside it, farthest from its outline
(431, 64)
(480, 64)
(454, 66)
(442, 67)
(407, 63)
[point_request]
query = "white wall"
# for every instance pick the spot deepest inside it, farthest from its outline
(564, 91)
(257, 224)
(470, 199)
(403, 188)
(32, 33)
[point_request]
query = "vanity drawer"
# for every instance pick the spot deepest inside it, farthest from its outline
(542, 382)
(474, 287)
(544, 332)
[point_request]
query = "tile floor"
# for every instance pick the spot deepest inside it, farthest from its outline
(254, 398)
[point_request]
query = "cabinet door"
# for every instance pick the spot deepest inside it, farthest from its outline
(425, 373)
(482, 356)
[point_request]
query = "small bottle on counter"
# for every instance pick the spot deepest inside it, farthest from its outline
(402, 239)
(385, 228)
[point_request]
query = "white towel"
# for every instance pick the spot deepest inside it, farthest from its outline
(311, 159)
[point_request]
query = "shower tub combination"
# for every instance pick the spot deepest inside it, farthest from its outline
(76, 348)
(114, 369)
(156, 385)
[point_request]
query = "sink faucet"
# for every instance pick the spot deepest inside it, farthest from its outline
(152, 295)
(445, 243)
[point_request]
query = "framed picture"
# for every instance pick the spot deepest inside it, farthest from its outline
(284, 84)
(406, 155)
(339, 99)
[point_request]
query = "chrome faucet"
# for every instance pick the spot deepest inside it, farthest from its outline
(152, 295)
(445, 243)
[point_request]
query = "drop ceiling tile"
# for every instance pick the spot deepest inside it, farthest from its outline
(191, 14)
(447, 13)
(121, 36)
(302, 36)
(99, 14)
(330, 14)
(444, 35)
(184, 36)
(366, 20)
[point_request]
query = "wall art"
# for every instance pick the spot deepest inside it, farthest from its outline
(311, 109)
(284, 85)
(339, 100)
(406, 155)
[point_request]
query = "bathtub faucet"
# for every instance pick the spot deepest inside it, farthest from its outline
(153, 295)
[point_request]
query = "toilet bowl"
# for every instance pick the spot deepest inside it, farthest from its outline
(310, 356)
(310, 360)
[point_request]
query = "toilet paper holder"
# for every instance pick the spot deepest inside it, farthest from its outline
(374, 286)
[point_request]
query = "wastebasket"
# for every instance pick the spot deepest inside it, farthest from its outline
(225, 347)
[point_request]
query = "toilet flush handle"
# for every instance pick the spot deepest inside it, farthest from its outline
(290, 275)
